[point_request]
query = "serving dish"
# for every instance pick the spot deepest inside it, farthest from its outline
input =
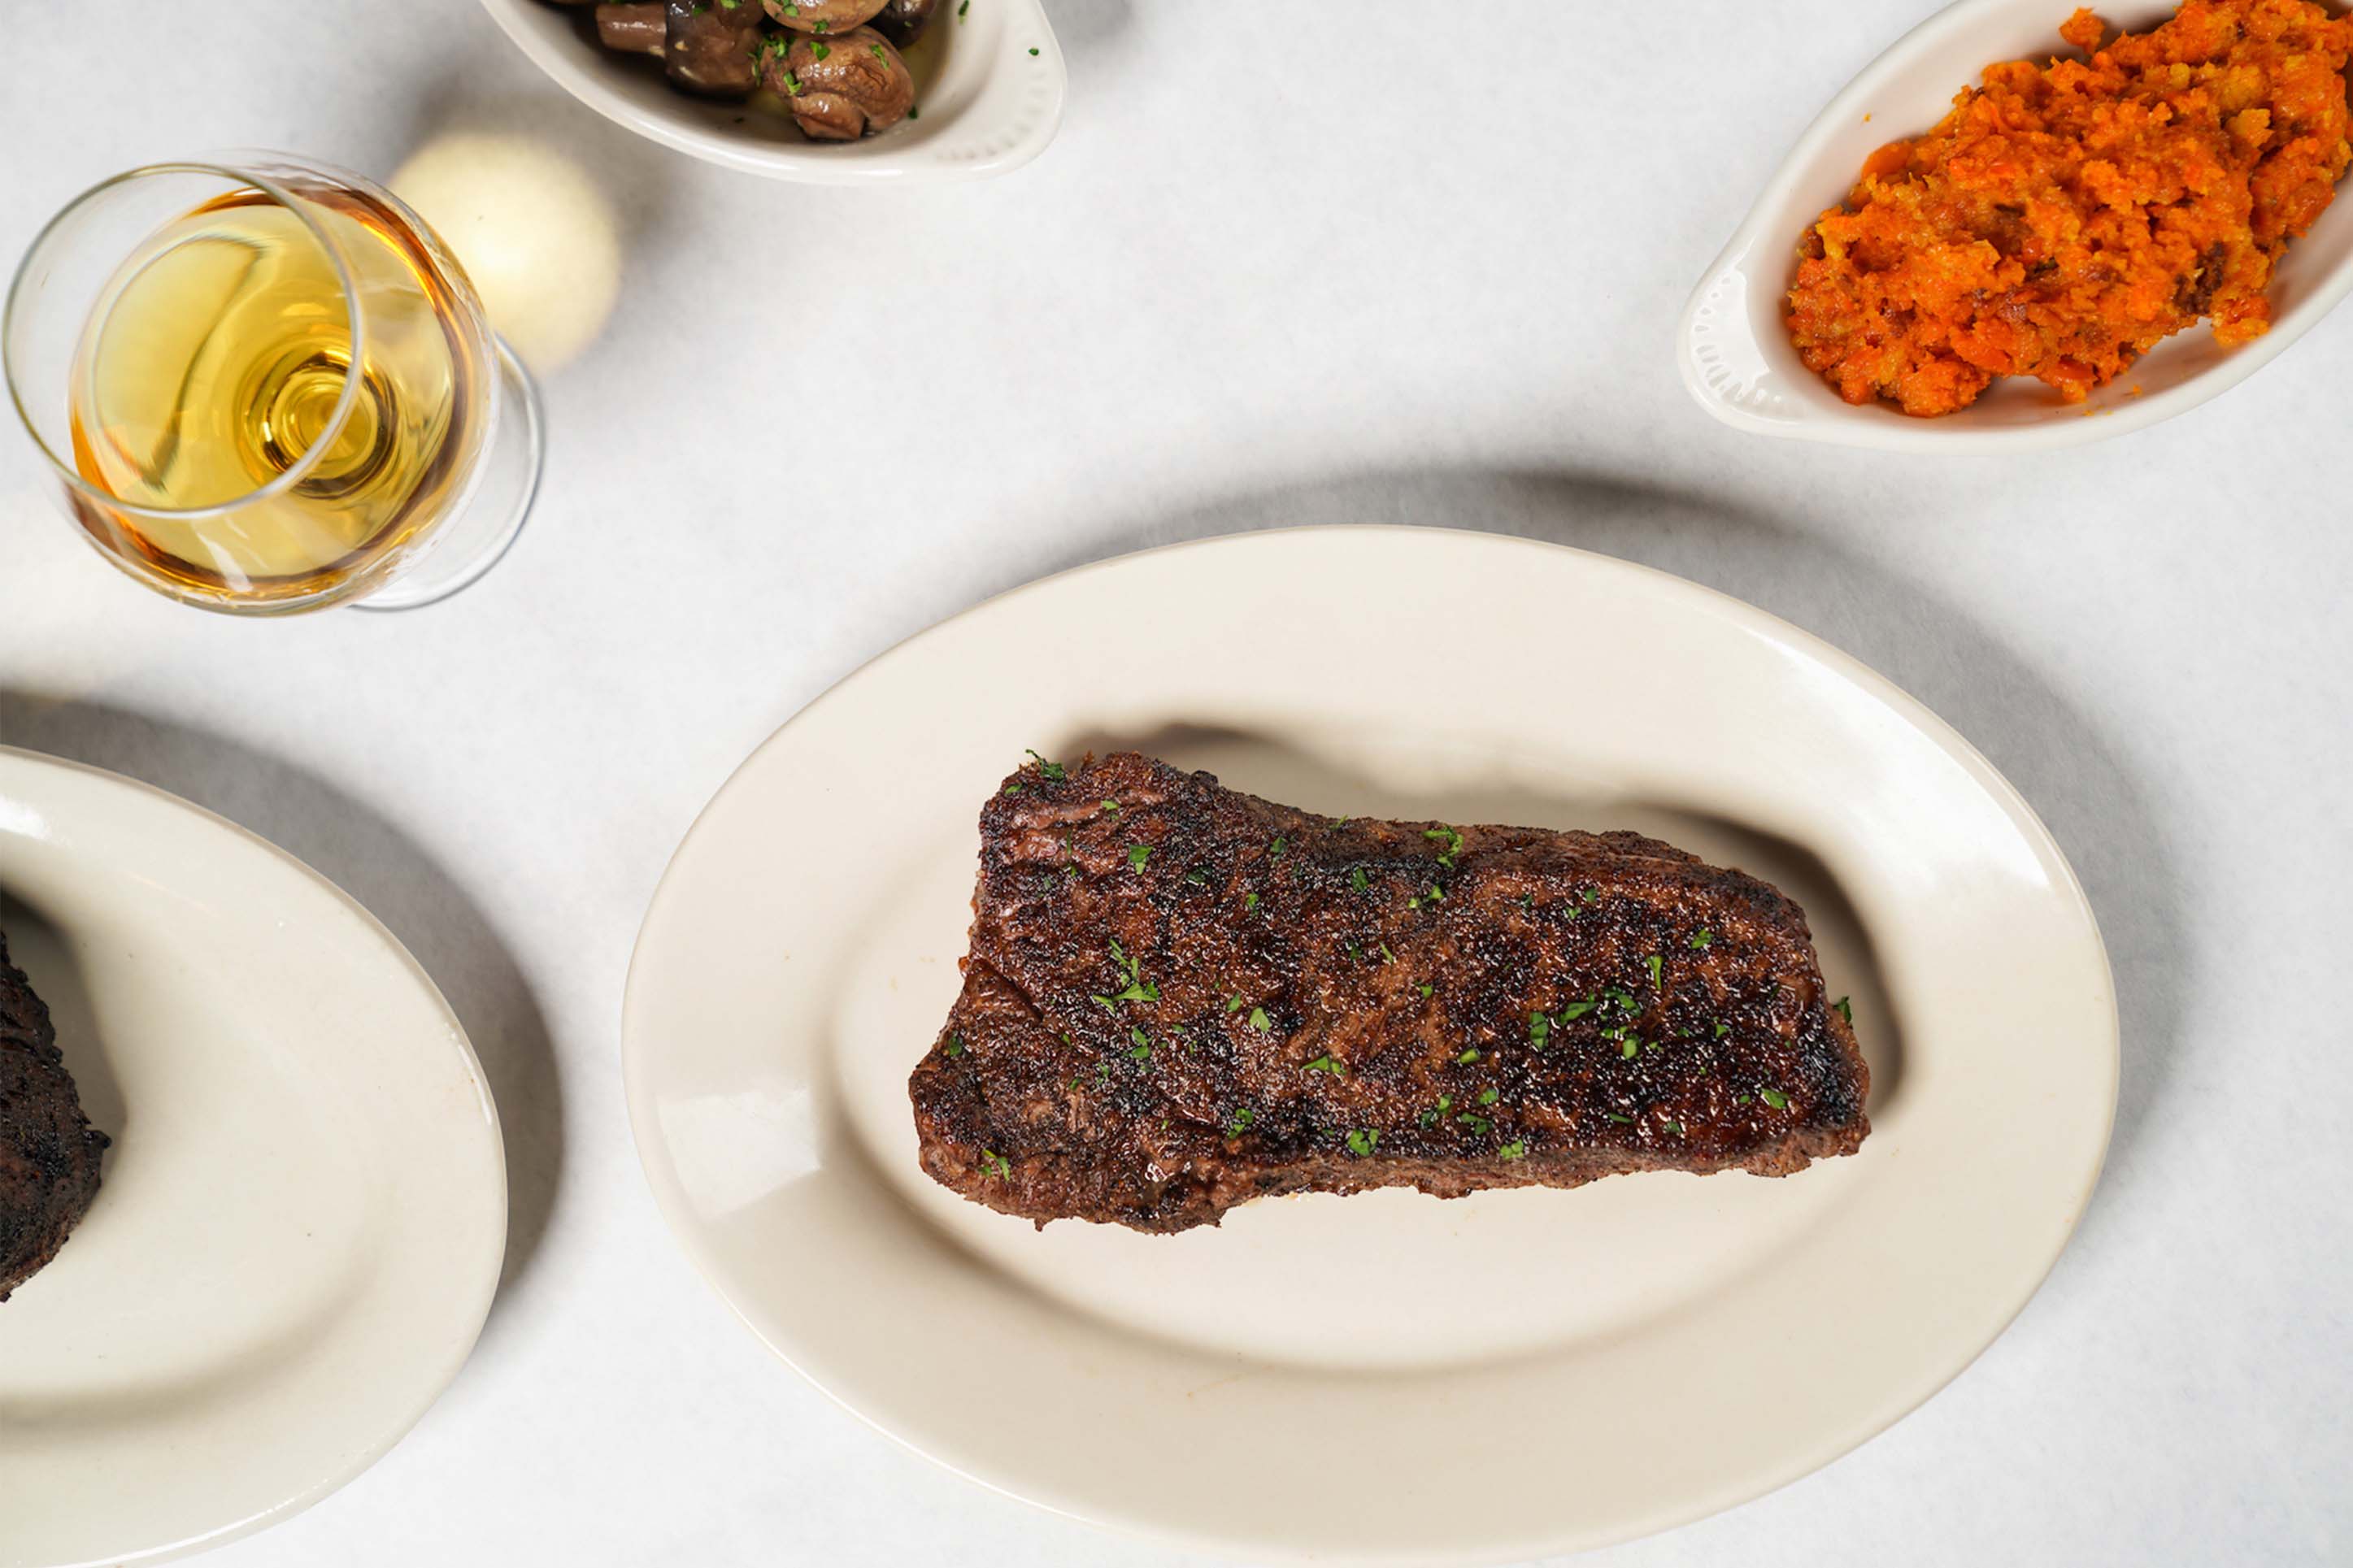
(1384, 1376)
(989, 85)
(1735, 354)
(304, 1209)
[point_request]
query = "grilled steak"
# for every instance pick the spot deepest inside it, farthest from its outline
(1180, 998)
(49, 1150)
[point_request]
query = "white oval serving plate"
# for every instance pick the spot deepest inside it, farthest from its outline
(989, 86)
(1385, 1376)
(304, 1208)
(1735, 354)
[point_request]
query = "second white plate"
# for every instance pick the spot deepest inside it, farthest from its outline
(1385, 1376)
(304, 1209)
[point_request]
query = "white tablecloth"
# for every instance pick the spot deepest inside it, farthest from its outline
(1346, 264)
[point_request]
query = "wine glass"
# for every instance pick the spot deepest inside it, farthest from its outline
(263, 385)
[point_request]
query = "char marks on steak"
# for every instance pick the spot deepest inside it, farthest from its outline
(48, 1151)
(1180, 998)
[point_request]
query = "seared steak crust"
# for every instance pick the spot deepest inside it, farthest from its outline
(1180, 998)
(48, 1151)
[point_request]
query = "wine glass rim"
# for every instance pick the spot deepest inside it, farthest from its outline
(312, 454)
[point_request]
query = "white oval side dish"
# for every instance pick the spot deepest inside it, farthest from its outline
(1734, 352)
(989, 86)
(304, 1213)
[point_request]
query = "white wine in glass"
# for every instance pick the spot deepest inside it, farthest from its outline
(277, 395)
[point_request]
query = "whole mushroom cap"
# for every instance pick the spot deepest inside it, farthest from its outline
(822, 15)
(840, 88)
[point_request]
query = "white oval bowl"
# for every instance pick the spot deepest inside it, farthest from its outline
(989, 101)
(1736, 353)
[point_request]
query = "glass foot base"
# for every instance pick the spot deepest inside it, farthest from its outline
(486, 521)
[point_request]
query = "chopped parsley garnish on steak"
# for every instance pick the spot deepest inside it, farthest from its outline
(1105, 859)
(1363, 1138)
(1052, 773)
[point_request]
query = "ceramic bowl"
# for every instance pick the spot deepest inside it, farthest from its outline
(1735, 354)
(989, 83)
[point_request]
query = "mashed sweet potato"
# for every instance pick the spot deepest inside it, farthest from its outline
(2064, 218)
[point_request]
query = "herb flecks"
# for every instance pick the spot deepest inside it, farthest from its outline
(1052, 773)
(955, 1045)
(1845, 1005)
(1516, 1149)
(993, 1163)
(1137, 854)
(1447, 836)
(1327, 1064)
(1259, 1020)
(1773, 1098)
(1363, 1140)
(1240, 1122)
(1703, 937)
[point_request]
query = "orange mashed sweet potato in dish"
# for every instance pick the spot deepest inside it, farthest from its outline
(2063, 219)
